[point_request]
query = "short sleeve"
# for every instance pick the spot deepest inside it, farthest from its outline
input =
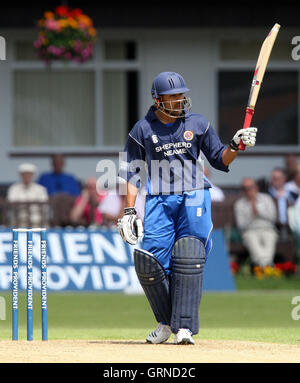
(133, 157)
(213, 149)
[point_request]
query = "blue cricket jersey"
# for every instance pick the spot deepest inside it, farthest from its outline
(180, 146)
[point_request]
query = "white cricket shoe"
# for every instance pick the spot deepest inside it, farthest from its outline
(160, 334)
(184, 336)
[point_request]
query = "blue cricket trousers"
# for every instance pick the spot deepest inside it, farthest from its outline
(170, 217)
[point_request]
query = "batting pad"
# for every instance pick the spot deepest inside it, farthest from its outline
(188, 259)
(154, 281)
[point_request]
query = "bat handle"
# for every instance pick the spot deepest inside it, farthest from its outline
(247, 122)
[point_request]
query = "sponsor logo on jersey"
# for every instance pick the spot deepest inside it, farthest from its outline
(188, 135)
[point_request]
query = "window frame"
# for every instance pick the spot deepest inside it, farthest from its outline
(249, 65)
(97, 64)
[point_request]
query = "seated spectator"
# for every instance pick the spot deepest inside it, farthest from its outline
(293, 186)
(216, 193)
(27, 191)
(290, 166)
(112, 207)
(85, 210)
(282, 197)
(58, 181)
(255, 215)
(294, 225)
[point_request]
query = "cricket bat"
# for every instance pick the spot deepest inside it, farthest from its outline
(258, 76)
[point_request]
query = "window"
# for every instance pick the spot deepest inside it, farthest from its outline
(120, 92)
(53, 108)
(120, 105)
(94, 104)
(276, 112)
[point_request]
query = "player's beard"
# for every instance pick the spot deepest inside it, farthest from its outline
(176, 110)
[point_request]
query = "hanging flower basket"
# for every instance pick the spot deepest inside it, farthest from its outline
(65, 34)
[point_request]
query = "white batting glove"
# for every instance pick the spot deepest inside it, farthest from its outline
(130, 227)
(247, 136)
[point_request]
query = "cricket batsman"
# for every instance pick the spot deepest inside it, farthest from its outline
(164, 156)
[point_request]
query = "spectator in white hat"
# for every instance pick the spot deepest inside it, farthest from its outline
(27, 191)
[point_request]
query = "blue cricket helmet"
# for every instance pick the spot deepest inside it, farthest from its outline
(168, 83)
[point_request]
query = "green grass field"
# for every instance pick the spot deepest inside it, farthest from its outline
(257, 315)
(248, 282)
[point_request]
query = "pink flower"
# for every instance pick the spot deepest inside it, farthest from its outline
(56, 51)
(51, 48)
(37, 44)
(86, 53)
(60, 51)
(52, 25)
(68, 55)
(81, 25)
(77, 46)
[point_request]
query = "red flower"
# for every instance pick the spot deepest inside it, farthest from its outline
(75, 12)
(290, 266)
(286, 267)
(62, 11)
(234, 267)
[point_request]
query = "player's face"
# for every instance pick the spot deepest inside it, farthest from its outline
(174, 103)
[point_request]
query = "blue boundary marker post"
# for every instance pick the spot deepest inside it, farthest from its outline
(15, 285)
(217, 273)
(44, 300)
(29, 286)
